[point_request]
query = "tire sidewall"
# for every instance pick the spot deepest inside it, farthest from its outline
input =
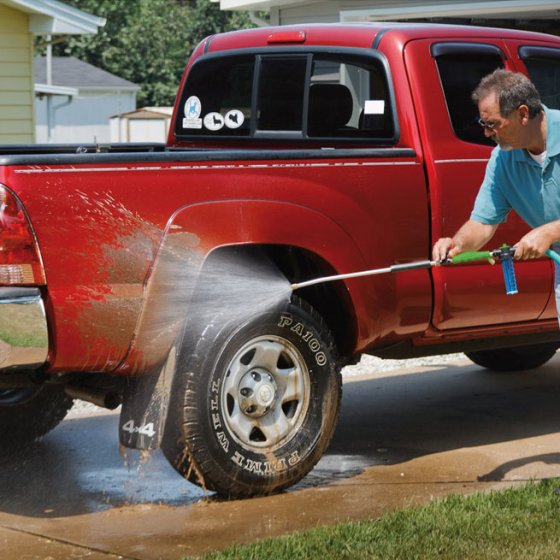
(297, 454)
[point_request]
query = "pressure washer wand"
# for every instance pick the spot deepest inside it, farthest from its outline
(504, 255)
(373, 272)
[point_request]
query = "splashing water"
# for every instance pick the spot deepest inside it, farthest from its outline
(237, 288)
(186, 288)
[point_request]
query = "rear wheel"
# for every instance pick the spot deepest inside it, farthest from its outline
(26, 414)
(254, 405)
(514, 359)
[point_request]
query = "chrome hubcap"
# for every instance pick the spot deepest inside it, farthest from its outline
(257, 393)
(265, 394)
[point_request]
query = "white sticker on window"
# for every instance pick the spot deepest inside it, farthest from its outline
(374, 107)
(193, 107)
(213, 121)
(234, 118)
(192, 123)
(192, 110)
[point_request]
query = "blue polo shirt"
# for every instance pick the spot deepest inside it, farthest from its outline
(514, 180)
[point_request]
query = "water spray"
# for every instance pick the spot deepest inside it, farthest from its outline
(504, 255)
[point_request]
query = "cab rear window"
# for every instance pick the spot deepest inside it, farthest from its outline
(288, 95)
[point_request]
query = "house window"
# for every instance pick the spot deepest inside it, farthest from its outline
(292, 96)
(461, 66)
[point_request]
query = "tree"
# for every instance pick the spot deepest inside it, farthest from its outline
(148, 41)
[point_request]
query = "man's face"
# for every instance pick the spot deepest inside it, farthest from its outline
(504, 130)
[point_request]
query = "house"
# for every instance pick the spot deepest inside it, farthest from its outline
(536, 15)
(148, 124)
(20, 21)
(79, 101)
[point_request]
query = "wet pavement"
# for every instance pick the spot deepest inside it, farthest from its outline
(404, 437)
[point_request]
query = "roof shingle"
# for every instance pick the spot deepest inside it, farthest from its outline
(71, 72)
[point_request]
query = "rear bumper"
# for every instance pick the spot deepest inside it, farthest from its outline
(24, 340)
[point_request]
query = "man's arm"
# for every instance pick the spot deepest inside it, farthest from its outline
(470, 237)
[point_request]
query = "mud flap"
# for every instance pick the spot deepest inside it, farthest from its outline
(145, 405)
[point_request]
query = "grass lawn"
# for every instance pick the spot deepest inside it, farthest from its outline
(518, 523)
(15, 327)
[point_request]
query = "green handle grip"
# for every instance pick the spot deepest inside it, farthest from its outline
(553, 255)
(469, 256)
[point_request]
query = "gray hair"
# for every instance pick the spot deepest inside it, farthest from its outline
(512, 90)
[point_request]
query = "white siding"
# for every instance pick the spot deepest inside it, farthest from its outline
(329, 10)
(324, 12)
(85, 119)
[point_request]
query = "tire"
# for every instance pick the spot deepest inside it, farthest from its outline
(26, 414)
(518, 358)
(254, 406)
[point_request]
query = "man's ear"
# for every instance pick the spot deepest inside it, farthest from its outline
(523, 112)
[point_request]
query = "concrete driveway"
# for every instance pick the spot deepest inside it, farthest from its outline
(405, 437)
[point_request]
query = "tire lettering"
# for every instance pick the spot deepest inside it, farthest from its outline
(254, 466)
(294, 459)
(216, 421)
(298, 328)
(215, 386)
(214, 404)
(320, 358)
(285, 321)
(314, 346)
(224, 441)
(261, 468)
(238, 459)
(307, 336)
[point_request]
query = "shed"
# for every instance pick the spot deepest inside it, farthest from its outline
(148, 124)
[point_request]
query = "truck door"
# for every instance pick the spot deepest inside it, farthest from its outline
(456, 153)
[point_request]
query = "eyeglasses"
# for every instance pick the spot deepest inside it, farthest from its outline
(492, 126)
(484, 124)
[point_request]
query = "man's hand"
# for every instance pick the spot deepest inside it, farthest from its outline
(445, 248)
(536, 242)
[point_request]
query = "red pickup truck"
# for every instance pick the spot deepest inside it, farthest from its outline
(159, 276)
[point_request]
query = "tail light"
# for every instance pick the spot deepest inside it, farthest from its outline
(20, 260)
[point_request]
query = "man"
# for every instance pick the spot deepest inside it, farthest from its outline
(523, 172)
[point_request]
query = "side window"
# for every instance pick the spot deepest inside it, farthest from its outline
(461, 67)
(288, 96)
(543, 66)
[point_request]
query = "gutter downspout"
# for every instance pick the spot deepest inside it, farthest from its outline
(48, 63)
(51, 109)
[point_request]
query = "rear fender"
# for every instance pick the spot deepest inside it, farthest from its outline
(194, 231)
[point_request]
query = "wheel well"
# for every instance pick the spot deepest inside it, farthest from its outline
(331, 300)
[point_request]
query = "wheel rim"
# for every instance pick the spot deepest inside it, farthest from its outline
(15, 396)
(265, 394)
